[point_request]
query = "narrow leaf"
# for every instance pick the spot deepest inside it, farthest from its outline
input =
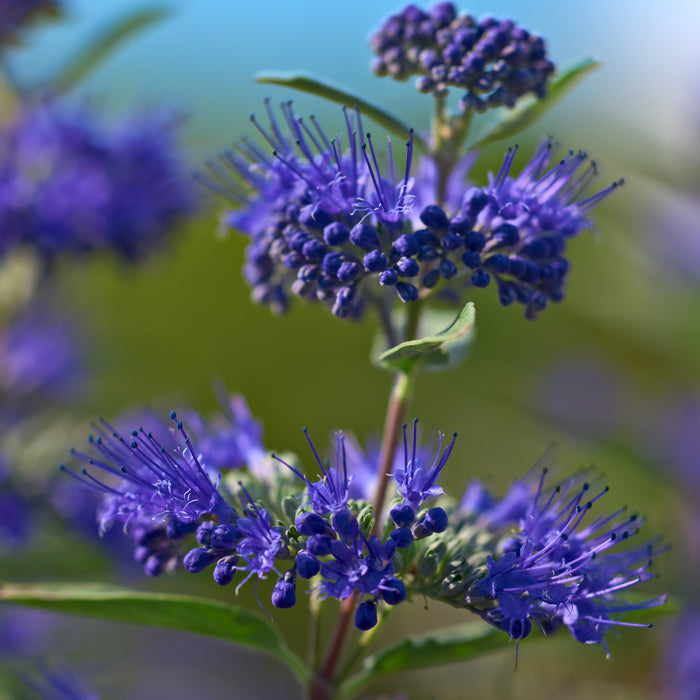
(439, 350)
(464, 642)
(99, 47)
(186, 613)
(342, 96)
(525, 116)
(449, 645)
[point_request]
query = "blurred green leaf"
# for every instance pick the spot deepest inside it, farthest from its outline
(101, 45)
(444, 646)
(186, 613)
(342, 96)
(436, 350)
(525, 116)
(464, 642)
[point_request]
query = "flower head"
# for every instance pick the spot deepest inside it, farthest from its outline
(71, 182)
(494, 61)
(330, 494)
(414, 479)
(150, 480)
(15, 14)
(515, 230)
(363, 566)
(365, 463)
(559, 568)
(321, 215)
(261, 542)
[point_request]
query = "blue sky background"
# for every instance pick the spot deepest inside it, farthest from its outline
(202, 59)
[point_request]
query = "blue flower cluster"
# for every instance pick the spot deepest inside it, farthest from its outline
(533, 555)
(495, 61)
(160, 492)
(327, 225)
(552, 564)
(15, 14)
(321, 218)
(165, 494)
(71, 182)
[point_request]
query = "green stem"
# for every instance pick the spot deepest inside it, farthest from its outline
(365, 641)
(384, 315)
(448, 135)
(413, 312)
(314, 651)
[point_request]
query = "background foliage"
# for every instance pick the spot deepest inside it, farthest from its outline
(161, 333)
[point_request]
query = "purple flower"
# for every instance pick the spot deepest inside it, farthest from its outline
(320, 213)
(330, 494)
(261, 542)
(365, 465)
(493, 513)
(515, 230)
(559, 568)
(361, 566)
(231, 440)
(15, 14)
(415, 480)
(150, 481)
(495, 61)
(72, 182)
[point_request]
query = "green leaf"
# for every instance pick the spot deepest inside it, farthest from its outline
(525, 116)
(186, 613)
(101, 45)
(448, 645)
(464, 642)
(436, 350)
(342, 96)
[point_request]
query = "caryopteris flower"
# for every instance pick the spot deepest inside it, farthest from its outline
(326, 225)
(534, 555)
(320, 214)
(495, 62)
(416, 481)
(15, 14)
(366, 468)
(515, 230)
(150, 480)
(72, 182)
(559, 567)
(261, 543)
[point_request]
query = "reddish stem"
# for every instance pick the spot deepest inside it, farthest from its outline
(322, 686)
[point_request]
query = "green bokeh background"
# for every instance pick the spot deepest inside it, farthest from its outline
(162, 333)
